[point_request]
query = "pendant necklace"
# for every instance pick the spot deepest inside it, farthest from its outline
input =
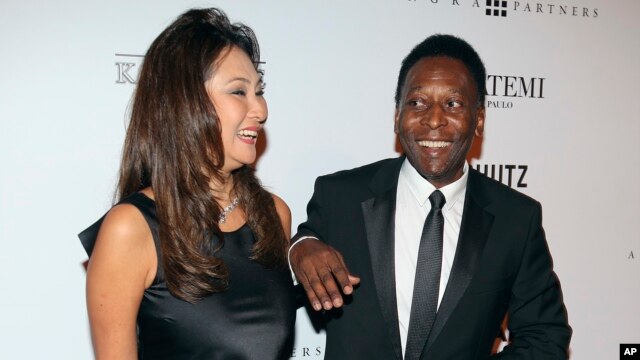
(227, 210)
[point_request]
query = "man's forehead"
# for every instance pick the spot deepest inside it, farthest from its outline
(450, 90)
(439, 63)
(438, 68)
(434, 68)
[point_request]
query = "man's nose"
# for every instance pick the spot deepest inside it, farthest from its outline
(434, 118)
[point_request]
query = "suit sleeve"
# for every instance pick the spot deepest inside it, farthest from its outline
(538, 323)
(315, 224)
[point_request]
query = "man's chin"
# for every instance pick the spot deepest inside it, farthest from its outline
(431, 172)
(439, 177)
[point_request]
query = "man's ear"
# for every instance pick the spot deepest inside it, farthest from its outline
(480, 113)
(396, 121)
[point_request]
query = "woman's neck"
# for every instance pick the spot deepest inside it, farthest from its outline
(222, 188)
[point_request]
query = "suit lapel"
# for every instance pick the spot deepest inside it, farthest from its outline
(474, 230)
(379, 220)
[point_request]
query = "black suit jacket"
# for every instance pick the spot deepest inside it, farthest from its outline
(502, 265)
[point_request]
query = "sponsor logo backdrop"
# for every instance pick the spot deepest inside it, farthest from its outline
(562, 126)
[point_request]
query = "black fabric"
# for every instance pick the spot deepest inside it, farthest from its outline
(253, 319)
(501, 265)
(424, 303)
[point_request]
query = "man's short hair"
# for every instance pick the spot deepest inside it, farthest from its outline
(448, 46)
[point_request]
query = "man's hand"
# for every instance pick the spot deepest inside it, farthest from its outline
(320, 268)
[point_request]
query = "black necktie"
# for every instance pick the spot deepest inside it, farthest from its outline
(427, 281)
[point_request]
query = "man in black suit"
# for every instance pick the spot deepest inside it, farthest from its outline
(443, 253)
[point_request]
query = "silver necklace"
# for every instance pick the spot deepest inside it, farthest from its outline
(227, 210)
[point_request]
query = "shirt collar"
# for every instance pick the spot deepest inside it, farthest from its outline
(421, 188)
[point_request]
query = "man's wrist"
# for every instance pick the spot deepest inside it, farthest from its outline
(298, 241)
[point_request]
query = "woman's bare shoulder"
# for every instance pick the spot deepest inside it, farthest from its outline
(284, 213)
(125, 243)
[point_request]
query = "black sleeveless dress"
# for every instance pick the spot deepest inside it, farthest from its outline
(253, 319)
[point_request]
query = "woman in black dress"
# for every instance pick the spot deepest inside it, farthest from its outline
(191, 262)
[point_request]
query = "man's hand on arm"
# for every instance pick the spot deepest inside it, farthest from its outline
(322, 272)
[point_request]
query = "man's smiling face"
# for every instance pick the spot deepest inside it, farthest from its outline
(437, 118)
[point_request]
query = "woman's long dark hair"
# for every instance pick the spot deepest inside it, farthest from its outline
(173, 144)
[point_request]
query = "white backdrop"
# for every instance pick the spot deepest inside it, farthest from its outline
(331, 68)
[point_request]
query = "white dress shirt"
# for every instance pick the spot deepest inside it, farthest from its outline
(412, 208)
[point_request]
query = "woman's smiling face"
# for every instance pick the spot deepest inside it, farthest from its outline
(236, 91)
